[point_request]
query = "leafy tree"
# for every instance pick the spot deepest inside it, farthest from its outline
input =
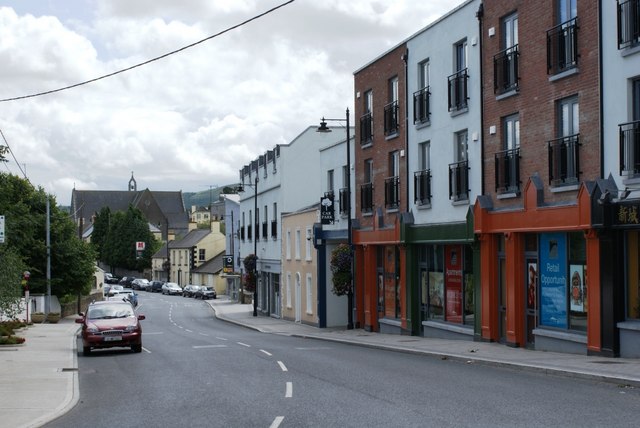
(100, 231)
(11, 270)
(119, 247)
(72, 260)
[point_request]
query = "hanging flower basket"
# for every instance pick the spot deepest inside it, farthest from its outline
(341, 258)
(249, 278)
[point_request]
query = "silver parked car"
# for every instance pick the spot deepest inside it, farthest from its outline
(171, 288)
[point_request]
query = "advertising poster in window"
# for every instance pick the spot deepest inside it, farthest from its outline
(424, 295)
(436, 294)
(576, 292)
(532, 284)
(453, 283)
(553, 280)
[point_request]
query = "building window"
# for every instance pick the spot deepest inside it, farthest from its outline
(422, 177)
(421, 110)
(628, 23)
(507, 161)
(564, 165)
(392, 183)
(505, 63)
(202, 254)
(563, 285)
(457, 82)
(366, 120)
(633, 275)
(257, 224)
(459, 170)
(330, 181)
(562, 40)
(297, 244)
(309, 287)
(344, 198)
(308, 244)
(391, 121)
(366, 190)
(630, 136)
(288, 244)
(274, 222)
(265, 232)
(288, 293)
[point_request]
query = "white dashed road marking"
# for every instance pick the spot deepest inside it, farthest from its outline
(265, 352)
(282, 366)
(276, 422)
(209, 346)
(289, 392)
(243, 344)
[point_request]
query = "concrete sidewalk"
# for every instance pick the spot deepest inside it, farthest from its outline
(39, 380)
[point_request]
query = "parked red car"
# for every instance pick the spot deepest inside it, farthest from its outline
(110, 324)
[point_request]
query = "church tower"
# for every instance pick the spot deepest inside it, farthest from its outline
(133, 186)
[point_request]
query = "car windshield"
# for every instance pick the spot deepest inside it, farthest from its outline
(109, 311)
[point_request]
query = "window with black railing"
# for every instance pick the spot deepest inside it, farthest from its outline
(242, 233)
(630, 149)
(505, 70)
(507, 171)
(257, 231)
(274, 229)
(421, 111)
(265, 230)
(628, 23)
(458, 96)
(392, 192)
(422, 187)
(344, 201)
(366, 129)
(391, 122)
(249, 232)
(562, 47)
(366, 197)
(564, 160)
(459, 181)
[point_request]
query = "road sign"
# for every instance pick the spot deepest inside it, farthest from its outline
(228, 264)
(1, 229)
(140, 245)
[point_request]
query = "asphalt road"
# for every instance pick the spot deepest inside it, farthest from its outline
(197, 371)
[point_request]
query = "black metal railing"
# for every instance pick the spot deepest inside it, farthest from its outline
(628, 23)
(344, 201)
(242, 233)
(366, 197)
(249, 232)
(391, 121)
(505, 70)
(265, 230)
(507, 171)
(257, 231)
(458, 96)
(562, 47)
(459, 181)
(274, 229)
(422, 187)
(630, 148)
(564, 160)
(366, 129)
(421, 111)
(392, 192)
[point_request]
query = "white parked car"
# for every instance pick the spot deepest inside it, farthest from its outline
(115, 289)
(171, 288)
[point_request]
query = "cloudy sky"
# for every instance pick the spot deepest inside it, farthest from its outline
(190, 120)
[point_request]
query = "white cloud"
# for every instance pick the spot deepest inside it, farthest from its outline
(194, 118)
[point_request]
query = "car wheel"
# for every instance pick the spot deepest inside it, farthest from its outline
(86, 351)
(137, 348)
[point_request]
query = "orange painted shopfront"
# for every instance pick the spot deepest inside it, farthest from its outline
(535, 291)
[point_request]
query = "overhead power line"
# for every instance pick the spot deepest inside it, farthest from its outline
(150, 60)
(14, 156)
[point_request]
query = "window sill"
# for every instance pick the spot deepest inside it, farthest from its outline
(563, 74)
(390, 321)
(630, 51)
(460, 202)
(508, 94)
(423, 206)
(367, 214)
(458, 112)
(561, 335)
(392, 210)
(508, 195)
(425, 124)
(568, 188)
(631, 179)
(629, 325)
(392, 136)
(366, 145)
(456, 328)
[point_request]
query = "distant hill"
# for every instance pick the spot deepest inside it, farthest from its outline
(203, 198)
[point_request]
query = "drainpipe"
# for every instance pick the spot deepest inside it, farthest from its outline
(405, 59)
(600, 97)
(480, 16)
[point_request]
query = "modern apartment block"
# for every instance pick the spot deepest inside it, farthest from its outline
(381, 192)
(542, 158)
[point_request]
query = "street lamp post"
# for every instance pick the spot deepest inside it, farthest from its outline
(324, 128)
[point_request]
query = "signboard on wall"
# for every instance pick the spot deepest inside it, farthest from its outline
(553, 280)
(227, 266)
(326, 209)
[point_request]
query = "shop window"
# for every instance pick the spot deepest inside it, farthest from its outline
(563, 281)
(633, 275)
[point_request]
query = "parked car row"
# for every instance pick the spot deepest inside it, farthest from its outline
(169, 288)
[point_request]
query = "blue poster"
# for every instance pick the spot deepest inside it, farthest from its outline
(553, 280)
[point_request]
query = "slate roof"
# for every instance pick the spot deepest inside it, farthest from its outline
(213, 265)
(190, 239)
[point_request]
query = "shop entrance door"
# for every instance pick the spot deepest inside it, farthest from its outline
(502, 299)
(531, 303)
